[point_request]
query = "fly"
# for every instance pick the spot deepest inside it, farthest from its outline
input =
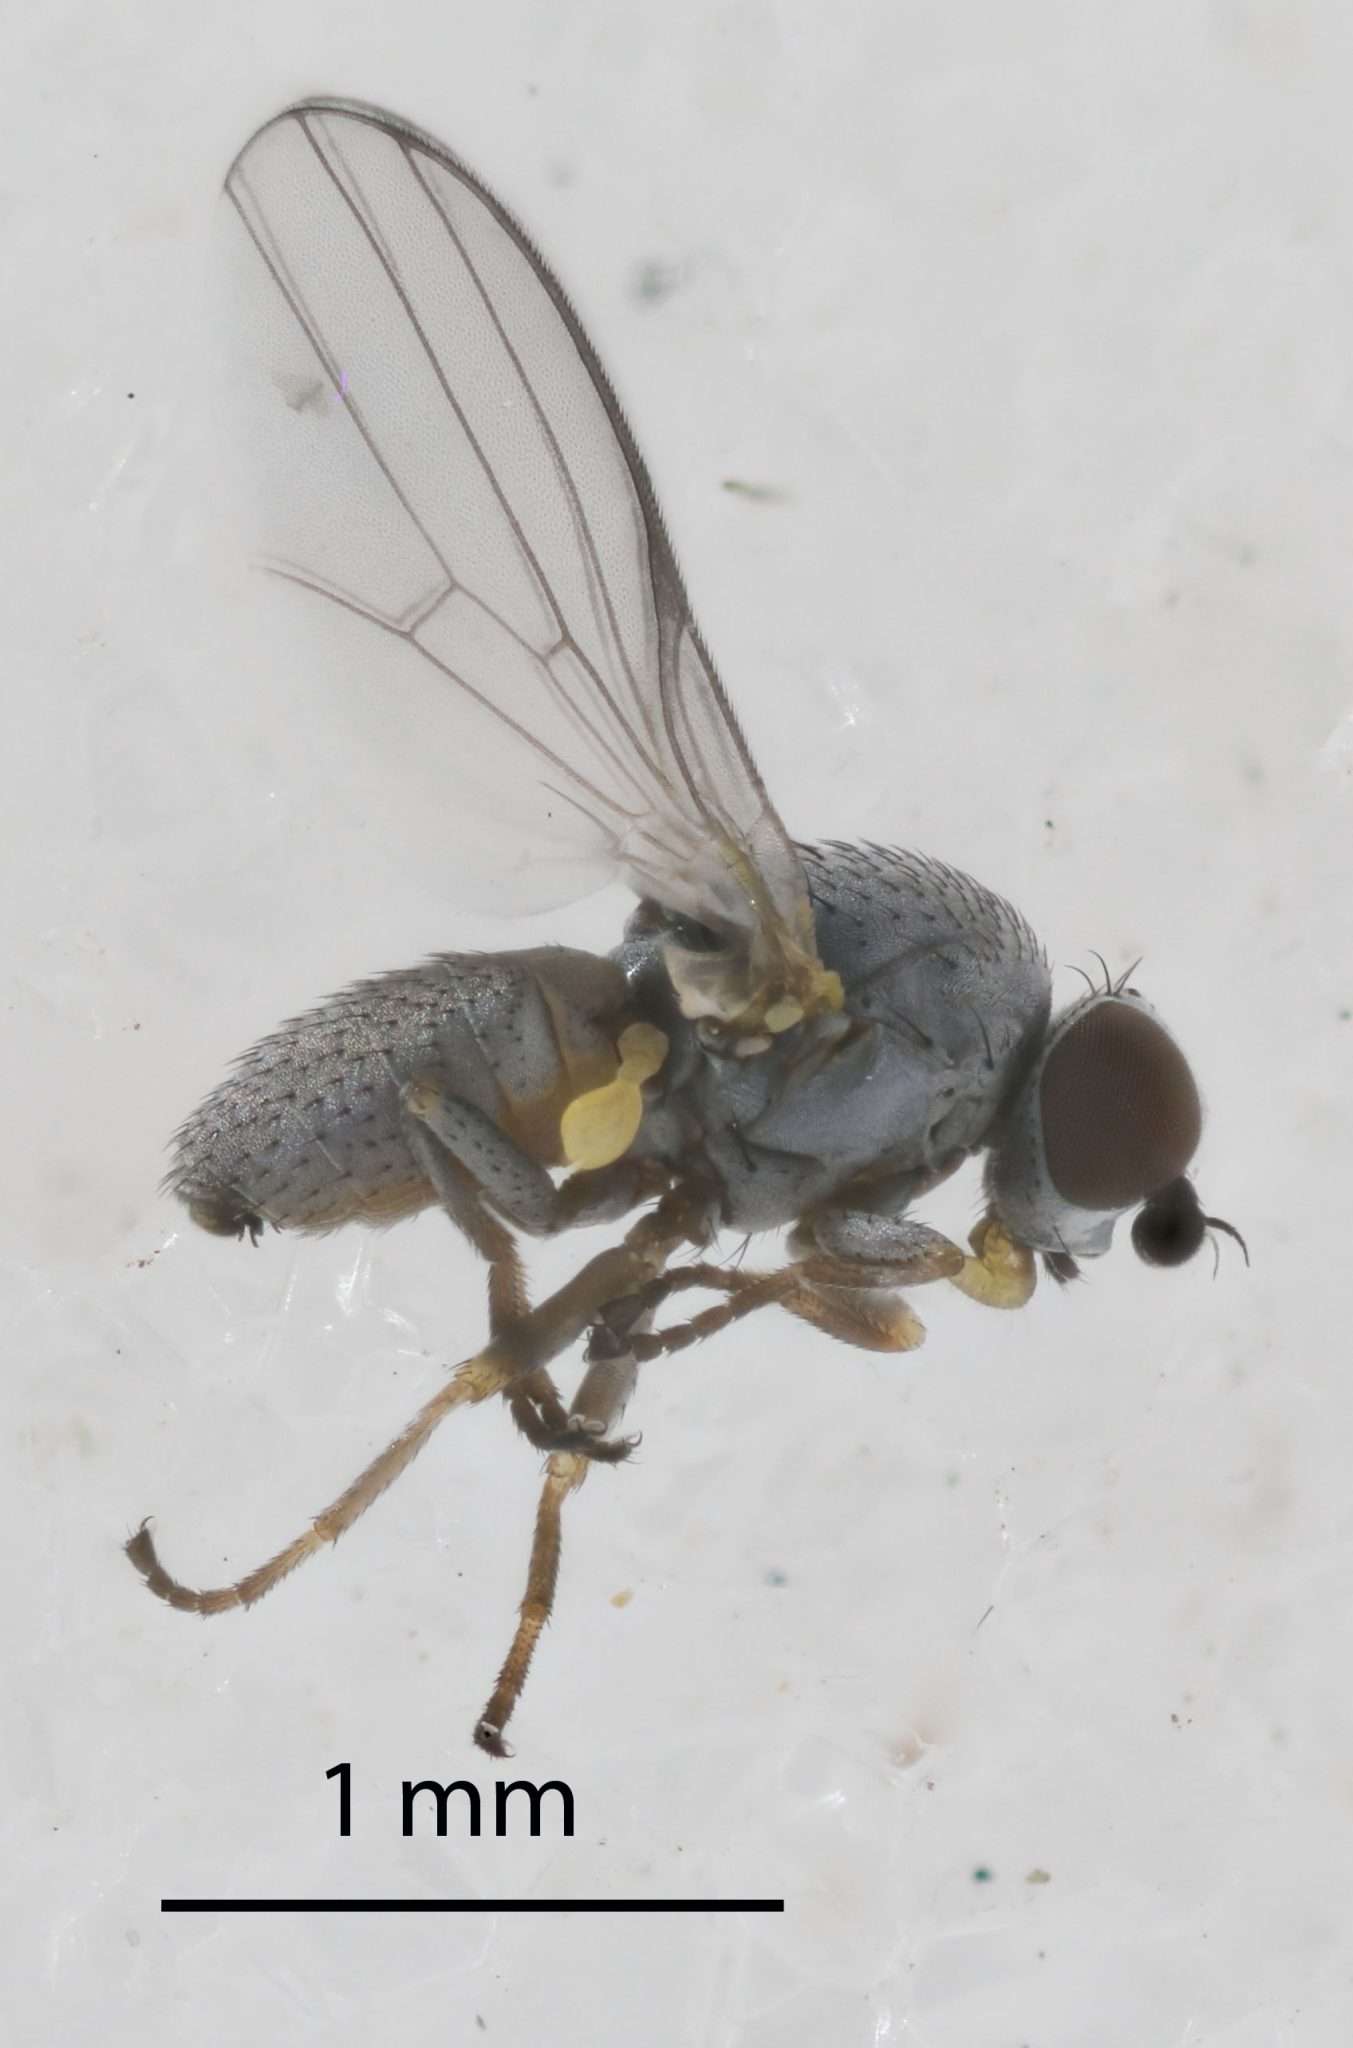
(787, 1036)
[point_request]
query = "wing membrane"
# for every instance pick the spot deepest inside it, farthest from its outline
(458, 476)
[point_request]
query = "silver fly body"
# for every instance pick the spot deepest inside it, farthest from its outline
(788, 1036)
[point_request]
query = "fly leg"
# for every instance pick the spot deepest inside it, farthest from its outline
(467, 1159)
(606, 1387)
(839, 1302)
(884, 1251)
(848, 1293)
(520, 1349)
(622, 1328)
(851, 1264)
(999, 1273)
(517, 1185)
(534, 1401)
(868, 1318)
(844, 1281)
(620, 1340)
(1002, 1273)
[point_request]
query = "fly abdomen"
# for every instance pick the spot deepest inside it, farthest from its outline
(309, 1131)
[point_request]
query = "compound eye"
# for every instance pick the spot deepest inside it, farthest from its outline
(1121, 1115)
(1169, 1230)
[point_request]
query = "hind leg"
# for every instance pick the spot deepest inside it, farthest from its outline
(536, 1408)
(517, 1185)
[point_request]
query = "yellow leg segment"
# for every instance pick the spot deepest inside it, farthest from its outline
(1002, 1274)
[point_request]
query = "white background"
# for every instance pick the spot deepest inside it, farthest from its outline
(1037, 319)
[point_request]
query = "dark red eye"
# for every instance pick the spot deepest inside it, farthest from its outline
(1121, 1115)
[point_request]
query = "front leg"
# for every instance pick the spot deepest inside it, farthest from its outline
(886, 1251)
(853, 1261)
(1003, 1273)
(870, 1318)
(847, 1267)
(862, 1248)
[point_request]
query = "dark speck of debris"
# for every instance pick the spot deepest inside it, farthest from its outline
(655, 281)
(302, 394)
(479, 2017)
(1048, 825)
(981, 1875)
(1344, 1014)
(131, 394)
(755, 494)
(775, 1577)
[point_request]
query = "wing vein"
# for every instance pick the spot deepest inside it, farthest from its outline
(489, 507)
(582, 526)
(313, 334)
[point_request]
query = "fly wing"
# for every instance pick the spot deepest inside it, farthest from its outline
(464, 484)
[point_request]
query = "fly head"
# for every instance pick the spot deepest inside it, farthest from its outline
(1106, 1120)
